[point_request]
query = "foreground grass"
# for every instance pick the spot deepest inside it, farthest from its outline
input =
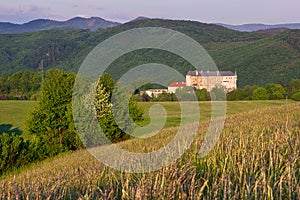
(257, 157)
(13, 115)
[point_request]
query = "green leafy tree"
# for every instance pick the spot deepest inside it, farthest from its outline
(248, 91)
(236, 95)
(123, 113)
(276, 91)
(260, 94)
(13, 152)
(202, 94)
(20, 85)
(218, 94)
(4, 84)
(296, 96)
(51, 121)
(186, 94)
(164, 96)
(145, 97)
(293, 87)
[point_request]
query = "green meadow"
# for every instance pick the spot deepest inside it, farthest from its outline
(174, 112)
(14, 113)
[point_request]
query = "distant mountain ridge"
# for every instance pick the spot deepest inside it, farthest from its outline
(139, 18)
(93, 23)
(259, 27)
(259, 58)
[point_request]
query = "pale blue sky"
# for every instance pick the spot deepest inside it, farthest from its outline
(210, 11)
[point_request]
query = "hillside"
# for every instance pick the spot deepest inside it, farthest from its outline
(93, 23)
(257, 27)
(257, 156)
(259, 58)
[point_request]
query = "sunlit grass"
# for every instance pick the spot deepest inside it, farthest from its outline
(257, 157)
(13, 114)
(174, 113)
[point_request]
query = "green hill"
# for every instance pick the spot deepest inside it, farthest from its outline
(258, 58)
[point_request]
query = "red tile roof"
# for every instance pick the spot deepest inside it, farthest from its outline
(177, 84)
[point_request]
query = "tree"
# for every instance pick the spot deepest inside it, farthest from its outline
(296, 96)
(248, 91)
(164, 96)
(52, 121)
(293, 87)
(13, 152)
(115, 123)
(218, 94)
(186, 94)
(108, 84)
(4, 85)
(260, 94)
(276, 91)
(202, 94)
(236, 95)
(145, 97)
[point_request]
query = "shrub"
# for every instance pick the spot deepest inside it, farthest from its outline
(260, 94)
(296, 96)
(276, 91)
(13, 152)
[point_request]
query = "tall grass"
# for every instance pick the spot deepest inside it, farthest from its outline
(257, 157)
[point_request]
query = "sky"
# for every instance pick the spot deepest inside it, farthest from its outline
(208, 11)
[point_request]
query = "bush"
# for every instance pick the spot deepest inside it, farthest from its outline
(296, 96)
(13, 152)
(260, 94)
(276, 91)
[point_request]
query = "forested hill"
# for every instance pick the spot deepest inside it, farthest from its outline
(258, 58)
(92, 23)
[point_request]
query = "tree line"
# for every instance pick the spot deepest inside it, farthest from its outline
(20, 85)
(271, 91)
(26, 85)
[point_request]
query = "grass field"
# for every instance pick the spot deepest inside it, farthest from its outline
(256, 157)
(13, 115)
(233, 107)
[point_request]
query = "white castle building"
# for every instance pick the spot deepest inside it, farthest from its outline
(211, 79)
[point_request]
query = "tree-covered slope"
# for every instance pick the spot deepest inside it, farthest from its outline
(259, 58)
(93, 23)
(273, 59)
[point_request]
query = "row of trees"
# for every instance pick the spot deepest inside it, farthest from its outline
(269, 92)
(20, 85)
(50, 129)
(187, 93)
(26, 86)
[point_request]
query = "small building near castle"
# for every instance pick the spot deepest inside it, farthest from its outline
(175, 85)
(211, 79)
(154, 92)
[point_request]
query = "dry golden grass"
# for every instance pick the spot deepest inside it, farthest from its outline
(257, 157)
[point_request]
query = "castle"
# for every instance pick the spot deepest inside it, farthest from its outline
(211, 79)
(202, 80)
